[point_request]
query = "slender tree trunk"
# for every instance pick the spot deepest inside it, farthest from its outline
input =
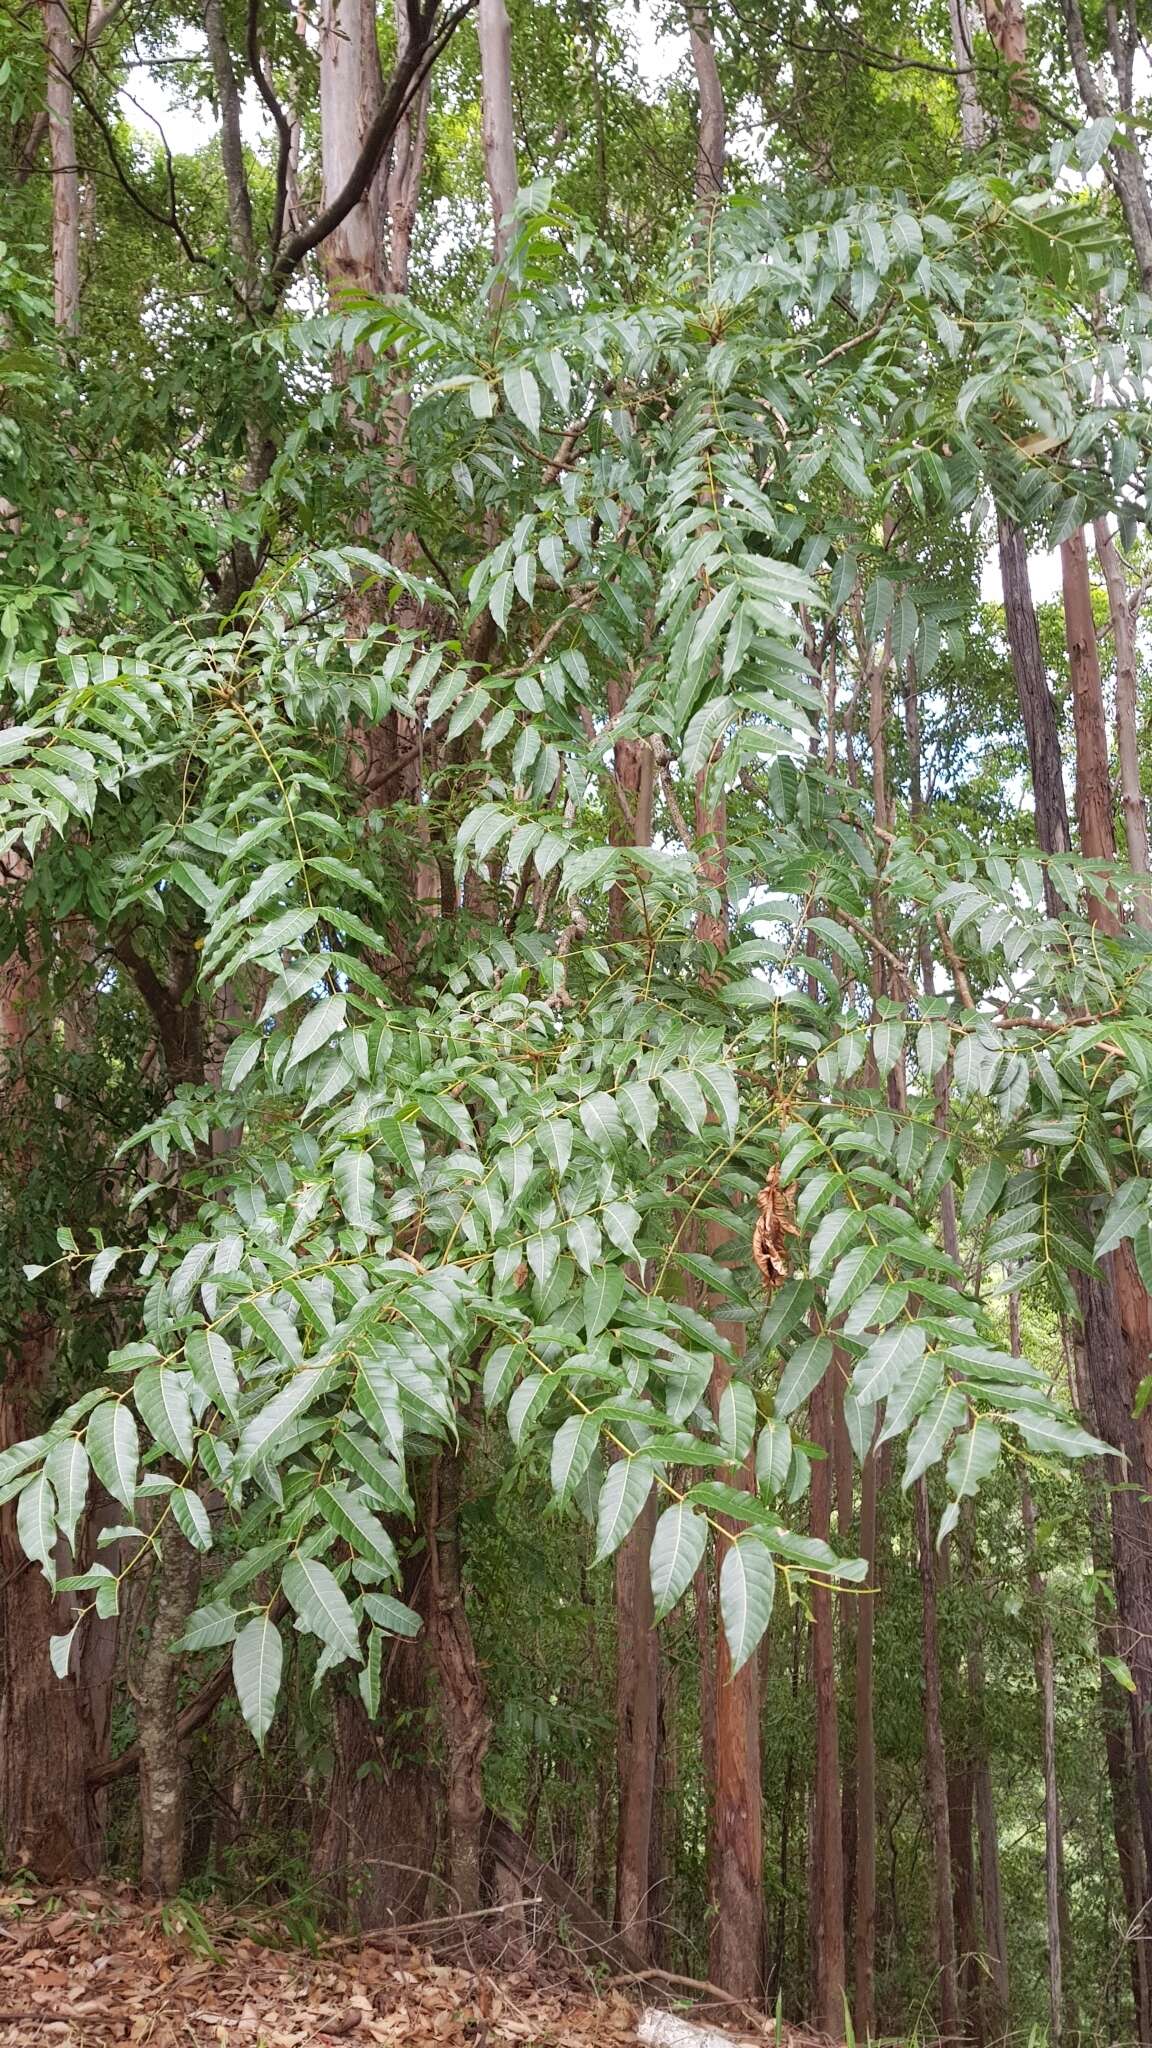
(374, 1841)
(163, 1771)
(350, 92)
(1053, 1858)
(1127, 729)
(937, 1775)
(406, 167)
(1093, 776)
(231, 140)
(463, 1700)
(63, 55)
(712, 125)
(864, 1933)
(827, 1885)
(498, 121)
(637, 1708)
(1036, 706)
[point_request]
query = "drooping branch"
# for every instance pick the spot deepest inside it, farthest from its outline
(427, 41)
(268, 94)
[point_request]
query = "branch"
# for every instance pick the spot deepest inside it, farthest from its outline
(404, 85)
(267, 93)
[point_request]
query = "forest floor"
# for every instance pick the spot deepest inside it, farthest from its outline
(94, 1967)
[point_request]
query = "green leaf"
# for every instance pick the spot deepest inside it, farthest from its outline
(523, 395)
(639, 1108)
(804, 1371)
(257, 1661)
(209, 1358)
(354, 1179)
(36, 1522)
(240, 1059)
(572, 1448)
(974, 1456)
(209, 1627)
(602, 1294)
(1053, 1437)
(66, 1469)
(887, 1358)
(259, 1435)
(678, 1544)
(747, 1587)
(114, 1448)
(773, 1455)
(392, 1615)
(736, 1419)
(191, 1517)
(161, 1398)
(982, 1192)
(60, 1650)
(626, 1487)
(1127, 1213)
(1119, 1671)
(313, 1593)
(683, 1091)
(526, 1405)
(601, 1119)
(934, 1427)
(345, 1512)
(583, 1239)
(833, 1236)
(852, 1275)
(102, 1266)
(320, 1023)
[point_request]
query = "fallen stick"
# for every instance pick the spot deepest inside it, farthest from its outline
(668, 2030)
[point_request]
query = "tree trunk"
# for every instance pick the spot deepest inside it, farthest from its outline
(937, 1775)
(1036, 706)
(1093, 777)
(53, 1732)
(864, 1933)
(231, 141)
(163, 1770)
(637, 1707)
(63, 55)
(712, 124)
(827, 1887)
(1127, 724)
(406, 167)
(498, 121)
(463, 1701)
(1053, 1857)
(350, 94)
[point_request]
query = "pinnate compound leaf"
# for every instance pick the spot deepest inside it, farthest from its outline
(572, 1448)
(974, 1456)
(161, 1398)
(36, 1521)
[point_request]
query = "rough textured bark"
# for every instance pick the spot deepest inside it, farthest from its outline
(63, 56)
(374, 1842)
(1127, 727)
(637, 1712)
(1093, 778)
(1036, 705)
(947, 1998)
(350, 97)
(827, 1887)
(712, 125)
(163, 1772)
(1053, 1859)
(498, 121)
(864, 1929)
(463, 1700)
(961, 1813)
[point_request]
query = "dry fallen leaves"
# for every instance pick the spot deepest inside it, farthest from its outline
(93, 1967)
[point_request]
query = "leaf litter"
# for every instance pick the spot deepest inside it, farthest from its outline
(94, 1968)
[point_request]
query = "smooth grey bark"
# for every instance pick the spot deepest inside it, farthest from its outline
(1127, 730)
(63, 54)
(712, 129)
(351, 90)
(498, 124)
(163, 1769)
